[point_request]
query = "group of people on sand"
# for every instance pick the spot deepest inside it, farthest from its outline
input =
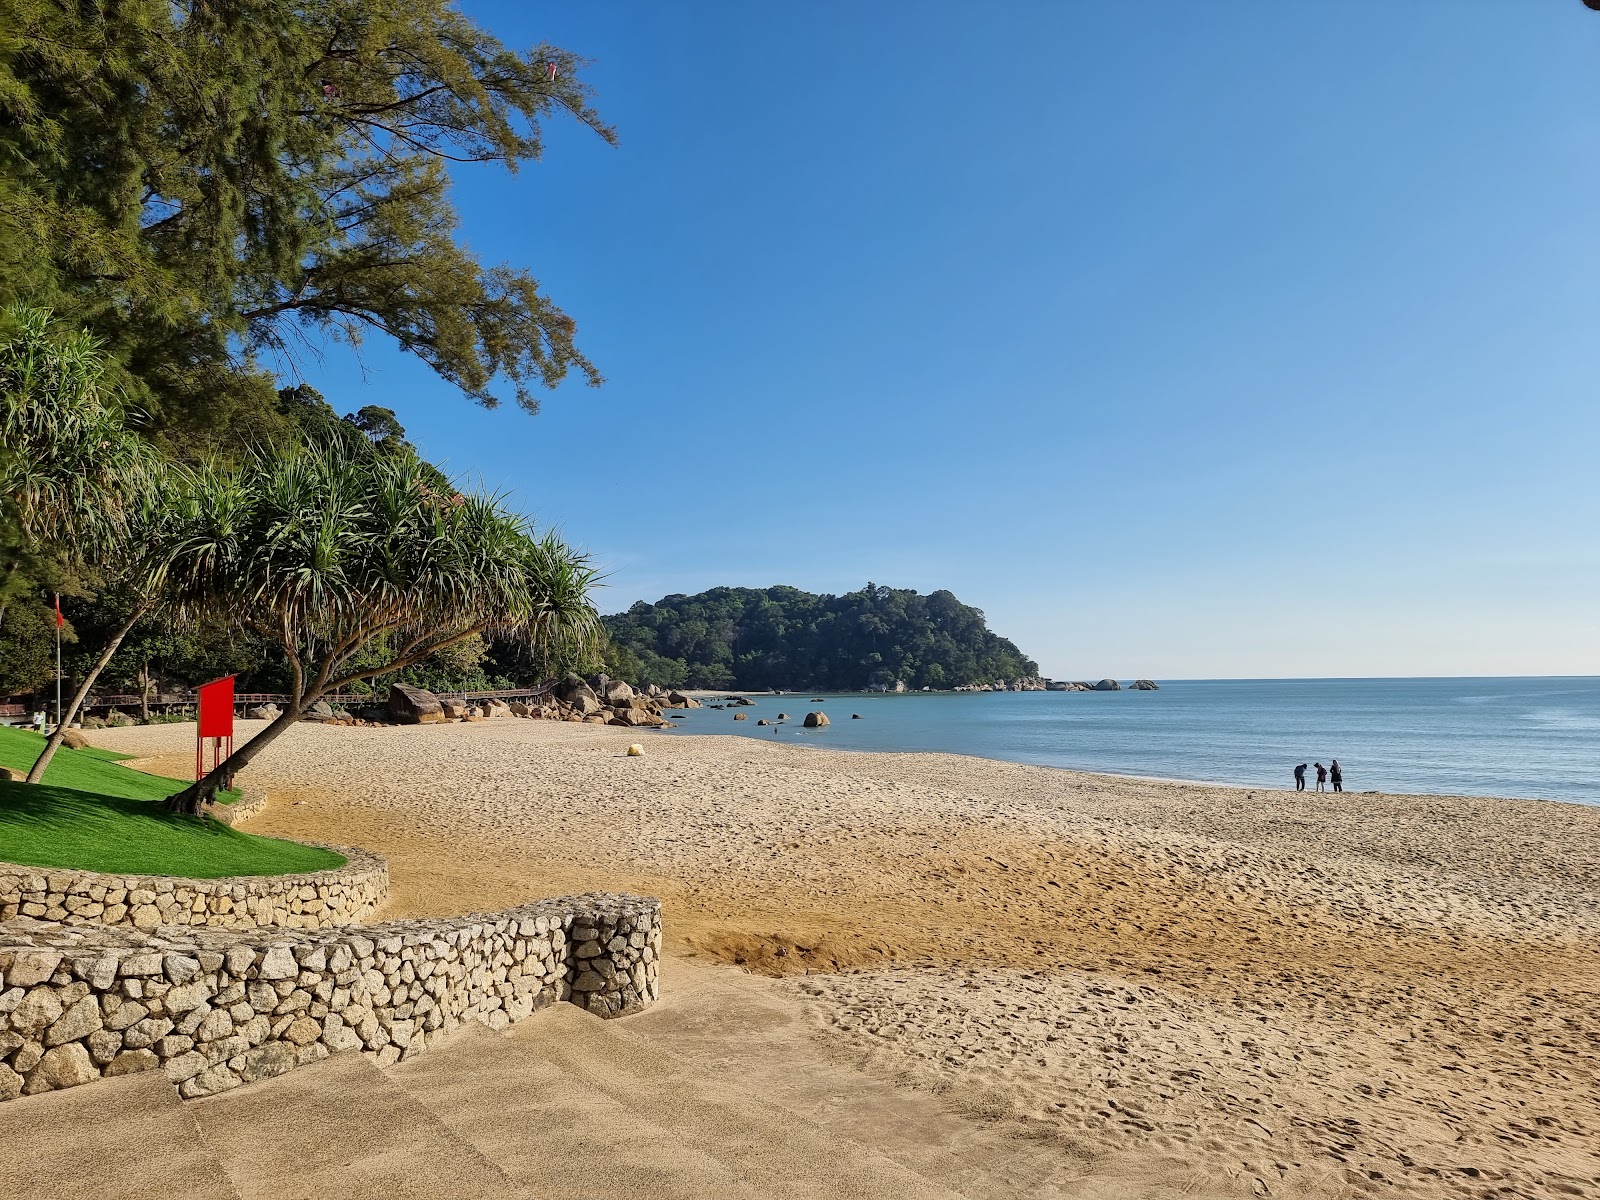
(1325, 775)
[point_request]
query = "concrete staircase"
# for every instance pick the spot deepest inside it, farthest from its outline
(564, 1105)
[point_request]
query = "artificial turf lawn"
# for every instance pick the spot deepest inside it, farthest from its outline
(94, 815)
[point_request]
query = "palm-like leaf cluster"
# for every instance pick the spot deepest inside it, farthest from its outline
(71, 472)
(330, 549)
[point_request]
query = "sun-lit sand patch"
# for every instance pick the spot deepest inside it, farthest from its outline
(1313, 994)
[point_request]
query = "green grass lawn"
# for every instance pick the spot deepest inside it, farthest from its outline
(95, 815)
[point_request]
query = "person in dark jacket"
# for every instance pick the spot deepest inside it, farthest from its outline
(1336, 776)
(1300, 778)
(1322, 777)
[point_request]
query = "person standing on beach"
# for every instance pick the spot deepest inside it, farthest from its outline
(1300, 778)
(1336, 775)
(1322, 778)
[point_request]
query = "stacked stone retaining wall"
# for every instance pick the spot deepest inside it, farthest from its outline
(215, 1008)
(316, 900)
(251, 803)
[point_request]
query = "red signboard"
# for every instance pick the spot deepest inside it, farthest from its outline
(216, 723)
(216, 708)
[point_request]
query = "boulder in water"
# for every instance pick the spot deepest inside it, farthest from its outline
(815, 720)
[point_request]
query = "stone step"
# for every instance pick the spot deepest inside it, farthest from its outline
(341, 1127)
(550, 1130)
(775, 1151)
(125, 1138)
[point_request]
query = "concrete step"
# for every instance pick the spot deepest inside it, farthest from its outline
(757, 1033)
(127, 1138)
(771, 1149)
(341, 1127)
(550, 1130)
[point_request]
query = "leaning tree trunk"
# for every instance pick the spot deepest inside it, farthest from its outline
(144, 692)
(194, 797)
(82, 694)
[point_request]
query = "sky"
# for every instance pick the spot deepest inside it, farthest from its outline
(1240, 339)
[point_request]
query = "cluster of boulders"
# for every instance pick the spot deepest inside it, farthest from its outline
(598, 700)
(115, 719)
(1105, 685)
(1030, 683)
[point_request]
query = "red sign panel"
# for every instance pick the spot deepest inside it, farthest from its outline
(216, 708)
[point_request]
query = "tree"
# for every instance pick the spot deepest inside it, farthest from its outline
(70, 469)
(202, 183)
(329, 550)
(380, 427)
(136, 565)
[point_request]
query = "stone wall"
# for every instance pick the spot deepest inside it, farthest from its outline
(316, 900)
(241, 810)
(215, 1008)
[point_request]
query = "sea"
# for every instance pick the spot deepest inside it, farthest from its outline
(1535, 738)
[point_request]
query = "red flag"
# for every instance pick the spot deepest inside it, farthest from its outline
(60, 620)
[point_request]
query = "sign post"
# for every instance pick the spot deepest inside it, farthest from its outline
(216, 723)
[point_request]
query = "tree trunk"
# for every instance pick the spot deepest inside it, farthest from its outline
(56, 738)
(194, 797)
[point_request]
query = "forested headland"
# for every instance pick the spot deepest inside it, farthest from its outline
(784, 638)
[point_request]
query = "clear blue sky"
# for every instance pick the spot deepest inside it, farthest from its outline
(1243, 338)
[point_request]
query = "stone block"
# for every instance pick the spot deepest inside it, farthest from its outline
(36, 1012)
(132, 1061)
(62, 1067)
(146, 1032)
(79, 1021)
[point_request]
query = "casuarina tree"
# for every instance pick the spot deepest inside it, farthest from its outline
(356, 563)
(202, 182)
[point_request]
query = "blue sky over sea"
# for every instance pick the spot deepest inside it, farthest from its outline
(1225, 340)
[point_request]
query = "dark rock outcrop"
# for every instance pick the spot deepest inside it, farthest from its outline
(815, 720)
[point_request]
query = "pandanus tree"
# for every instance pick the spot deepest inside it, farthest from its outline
(70, 468)
(134, 563)
(357, 563)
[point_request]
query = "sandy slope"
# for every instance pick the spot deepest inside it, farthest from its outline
(1297, 993)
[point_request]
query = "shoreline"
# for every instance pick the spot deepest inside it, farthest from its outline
(1125, 775)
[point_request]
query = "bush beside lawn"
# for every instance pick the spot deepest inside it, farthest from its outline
(92, 814)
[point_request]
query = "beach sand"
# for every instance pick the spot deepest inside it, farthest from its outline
(1288, 994)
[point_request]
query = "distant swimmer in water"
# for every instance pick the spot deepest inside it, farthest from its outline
(1300, 778)
(1336, 775)
(1322, 778)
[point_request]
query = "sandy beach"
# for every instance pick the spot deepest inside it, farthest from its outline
(1281, 993)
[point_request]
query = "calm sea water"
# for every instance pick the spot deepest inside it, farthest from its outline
(1535, 738)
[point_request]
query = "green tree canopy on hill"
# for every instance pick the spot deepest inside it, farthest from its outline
(199, 183)
(781, 637)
